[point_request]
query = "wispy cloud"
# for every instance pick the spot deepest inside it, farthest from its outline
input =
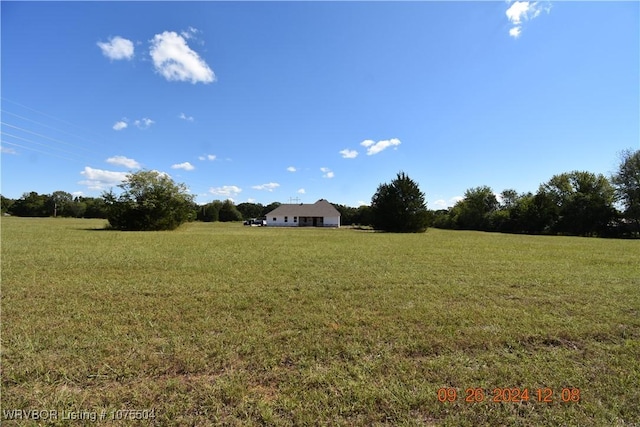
(190, 33)
(117, 48)
(123, 161)
(98, 179)
(327, 173)
(349, 154)
(184, 166)
(301, 191)
(120, 125)
(183, 116)
(144, 123)
(226, 191)
(291, 169)
(522, 11)
(176, 61)
(7, 150)
(376, 147)
(268, 187)
(209, 157)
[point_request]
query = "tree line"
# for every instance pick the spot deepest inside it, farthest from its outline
(63, 204)
(577, 203)
(57, 204)
(572, 203)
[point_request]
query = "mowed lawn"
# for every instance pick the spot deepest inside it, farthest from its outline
(224, 324)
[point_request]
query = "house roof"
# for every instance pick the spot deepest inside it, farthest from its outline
(319, 208)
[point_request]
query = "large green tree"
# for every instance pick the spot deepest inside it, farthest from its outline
(583, 202)
(474, 212)
(250, 210)
(209, 212)
(627, 185)
(149, 200)
(399, 206)
(228, 212)
(60, 203)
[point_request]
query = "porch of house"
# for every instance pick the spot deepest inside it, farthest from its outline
(311, 221)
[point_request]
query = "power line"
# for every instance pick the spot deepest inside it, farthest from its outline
(48, 126)
(42, 136)
(37, 143)
(50, 116)
(33, 149)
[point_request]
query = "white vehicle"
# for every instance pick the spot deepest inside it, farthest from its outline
(255, 222)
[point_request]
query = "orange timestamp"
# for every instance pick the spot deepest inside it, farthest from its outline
(509, 394)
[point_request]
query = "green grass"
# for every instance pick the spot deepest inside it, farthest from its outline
(224, 324)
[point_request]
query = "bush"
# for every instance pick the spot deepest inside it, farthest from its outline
(150, 201)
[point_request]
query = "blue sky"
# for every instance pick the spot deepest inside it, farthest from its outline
(271, 101)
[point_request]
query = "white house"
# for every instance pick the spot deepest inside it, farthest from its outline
(319, 214)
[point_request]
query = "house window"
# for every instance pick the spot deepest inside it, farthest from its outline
(286, 219)
(274, 219)
(295, 219)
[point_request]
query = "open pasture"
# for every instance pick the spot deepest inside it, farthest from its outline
(223, 324)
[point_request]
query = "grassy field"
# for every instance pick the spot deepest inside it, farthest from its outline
(223, 324)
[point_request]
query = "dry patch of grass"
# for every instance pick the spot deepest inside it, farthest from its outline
(224, 324)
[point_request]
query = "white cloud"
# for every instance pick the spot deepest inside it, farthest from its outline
(162, 173)
(210, 157)
(349, 154)
(123, 161)
(268, 187)
(327, 173)
(183, 116)
(376, 147)
(362, 203)
(291, 169)
(120, 125)
(521, 11)
(367, 143)
(517, 11)
(98, 179)
(7, 150)
(175, 60)
(117, 48)
(301, 191)
(144, 123)
(185, 166)
(445, 204)
(226, 190)
(440, 204)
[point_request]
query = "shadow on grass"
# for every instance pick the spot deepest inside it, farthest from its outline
(105, 228)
